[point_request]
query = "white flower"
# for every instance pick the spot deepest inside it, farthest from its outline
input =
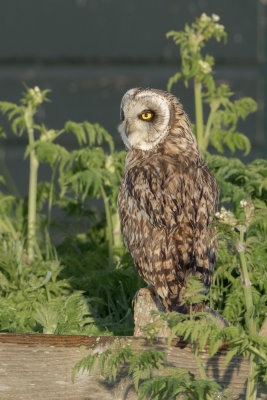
(215, 17)
(36, 94)
(219, 27)
(249, 211)
(204, 17)
(204, 66)
(243, 203)
(226, 217)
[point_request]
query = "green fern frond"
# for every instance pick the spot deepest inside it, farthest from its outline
(143, 363)
(90, 134)
(118, 358)
(194, 291)
(103, 357)
(86, 364)
(10, 109)
(172, 80)
(172, 387)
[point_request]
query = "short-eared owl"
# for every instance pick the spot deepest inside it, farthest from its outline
(167, 196)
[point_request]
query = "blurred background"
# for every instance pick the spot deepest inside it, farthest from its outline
(89, 52)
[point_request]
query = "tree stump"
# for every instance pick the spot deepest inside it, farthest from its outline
(144, 302)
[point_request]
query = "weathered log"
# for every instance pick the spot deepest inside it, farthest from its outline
(35, 367)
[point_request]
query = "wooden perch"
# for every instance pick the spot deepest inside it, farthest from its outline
(37, 367)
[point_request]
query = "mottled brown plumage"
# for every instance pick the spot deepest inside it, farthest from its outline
(167, 196)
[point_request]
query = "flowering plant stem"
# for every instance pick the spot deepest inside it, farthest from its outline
(251, 391)
(247, 286)
(199, 363)
(201, 368)
(109, 231)
(199, 113)
(32, 194)
(207, 133)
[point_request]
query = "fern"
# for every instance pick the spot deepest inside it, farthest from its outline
(172, 387)
(86, 363)
(89, 134)
(194, 292)
(141, 366)
(117, 359)
(143, 363)
(15, 113)
(109, 362)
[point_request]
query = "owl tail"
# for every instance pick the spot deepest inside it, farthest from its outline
(175, 305)
(173, 299)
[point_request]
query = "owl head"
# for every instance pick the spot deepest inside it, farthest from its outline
(147, 115)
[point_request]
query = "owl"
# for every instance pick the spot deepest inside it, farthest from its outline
(167, 196)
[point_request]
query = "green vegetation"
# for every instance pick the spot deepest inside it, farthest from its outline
(85, 283)
(81, 280)
(223, 115)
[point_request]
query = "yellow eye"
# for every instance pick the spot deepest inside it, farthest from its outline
(147, 116)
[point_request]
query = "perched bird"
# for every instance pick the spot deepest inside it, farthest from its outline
(167, 196)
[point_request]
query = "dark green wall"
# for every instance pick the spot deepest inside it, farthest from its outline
(89, 52)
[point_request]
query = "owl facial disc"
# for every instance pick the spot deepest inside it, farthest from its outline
(145, 117)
